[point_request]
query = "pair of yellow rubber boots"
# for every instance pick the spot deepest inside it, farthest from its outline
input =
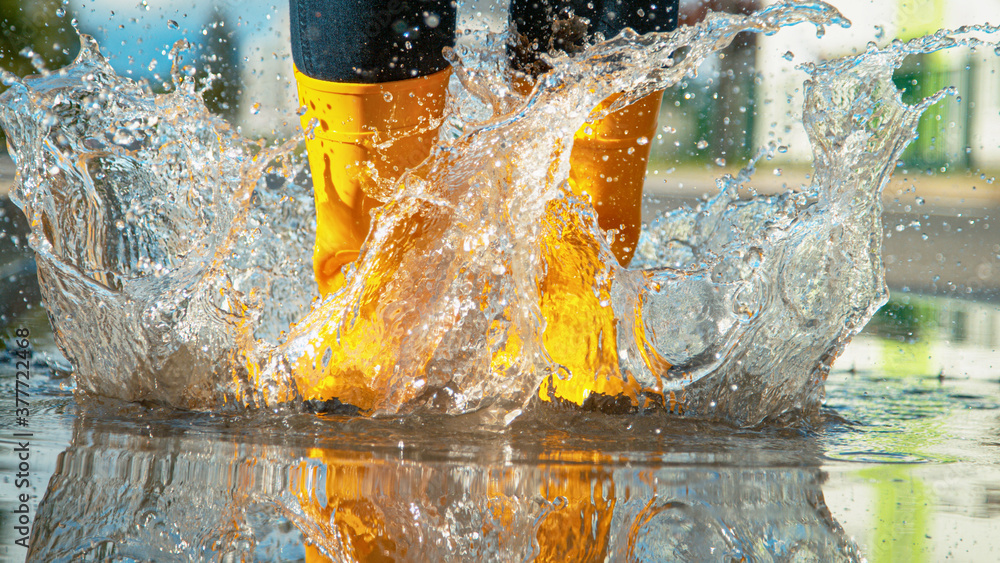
(360, 132)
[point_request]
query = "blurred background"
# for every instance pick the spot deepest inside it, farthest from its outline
(742, 100)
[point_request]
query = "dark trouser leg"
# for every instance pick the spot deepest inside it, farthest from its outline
(549, 24)
(368, 41)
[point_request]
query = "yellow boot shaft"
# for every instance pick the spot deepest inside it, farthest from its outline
(360, 139)
(608, 163)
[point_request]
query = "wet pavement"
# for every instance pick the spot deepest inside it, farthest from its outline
(942, 233)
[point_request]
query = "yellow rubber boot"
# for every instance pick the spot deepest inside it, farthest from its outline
(581, 333)
(365, 136)
(360, 139)
(608, 165)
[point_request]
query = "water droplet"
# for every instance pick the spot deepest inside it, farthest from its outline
(920, 200)
(642, 141)
(702, 144)
(172, 24)
(61, 12)
(720, 161)
(788, 55)
(8, 78)
(255, 108)
(387, 96)
(123, 137)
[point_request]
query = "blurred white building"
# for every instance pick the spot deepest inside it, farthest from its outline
(269, 101)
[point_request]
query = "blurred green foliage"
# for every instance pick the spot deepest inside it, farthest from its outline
(41, 26)
(219, 53)
(906, 320)
(943, 130)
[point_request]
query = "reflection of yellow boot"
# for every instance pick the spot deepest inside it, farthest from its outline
(608, 163)
(344, 512)
(577, 525)
(362, 507)
(383, 128)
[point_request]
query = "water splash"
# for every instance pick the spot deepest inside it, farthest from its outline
(130, 197)
(173, 253)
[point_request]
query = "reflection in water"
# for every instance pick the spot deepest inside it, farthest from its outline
(909, 327)
(151, 491)
(904, 515)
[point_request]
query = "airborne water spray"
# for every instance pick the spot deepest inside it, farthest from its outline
(173, 254)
